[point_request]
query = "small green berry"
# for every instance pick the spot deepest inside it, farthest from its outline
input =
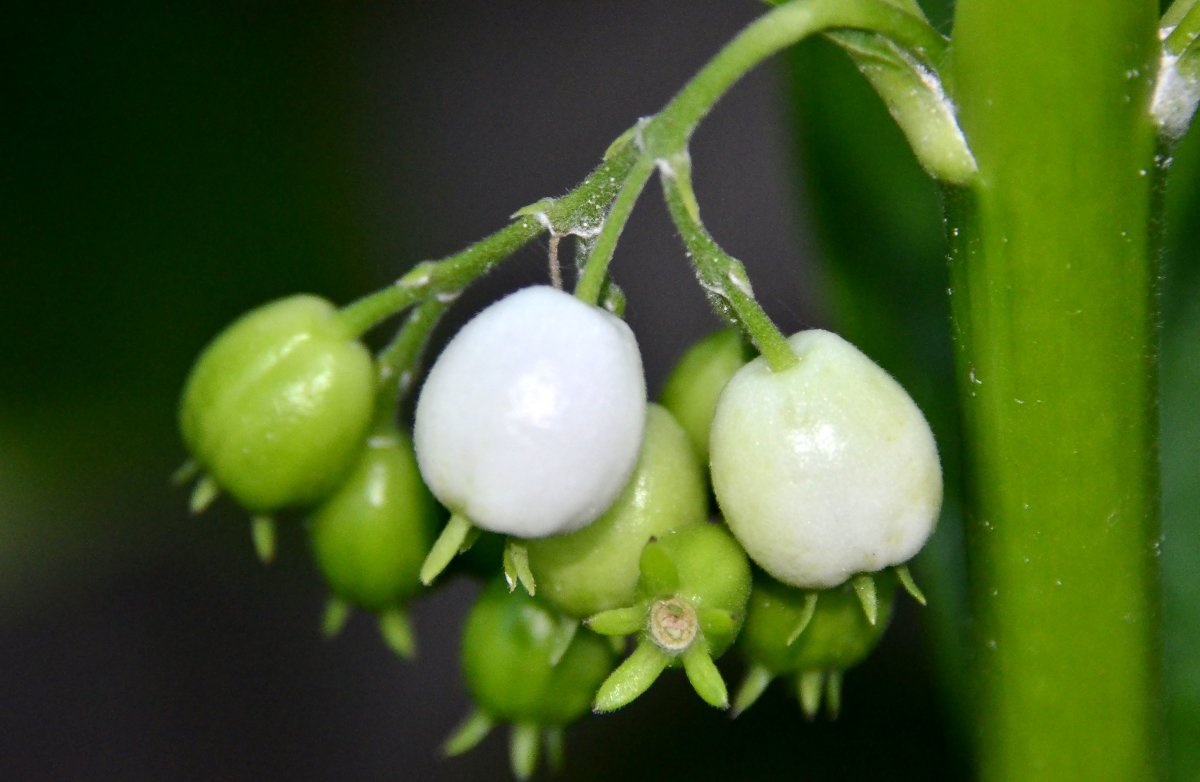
(277, 406)
(691, 600)
(596, 568)
(370, 536)
(523, 664)
(696, 382)
(806, 635)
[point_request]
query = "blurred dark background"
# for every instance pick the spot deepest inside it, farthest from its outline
(168, 166)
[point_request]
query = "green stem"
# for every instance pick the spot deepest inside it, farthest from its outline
(668, 133)
(396, 364)
(1053, 276)
(447, 276)
(1175, 13)
(1185, 15)
(723, 277)
(619, 179)
(591, 283)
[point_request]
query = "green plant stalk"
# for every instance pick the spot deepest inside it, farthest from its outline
(1053, 269)
(722, 276)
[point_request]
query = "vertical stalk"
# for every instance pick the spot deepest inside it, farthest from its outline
(1054, 310)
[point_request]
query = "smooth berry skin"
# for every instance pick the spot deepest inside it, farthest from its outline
(826, 469)
(596, 568)
(530, 421)
(695, 384)
(837, 637)
(370, 537)
(277, 406)
(509, 640)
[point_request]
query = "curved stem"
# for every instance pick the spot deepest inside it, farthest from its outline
(595, 270)
(722, 276)
(619, 179)
(670, 130)
(397, 363)
(447, 276)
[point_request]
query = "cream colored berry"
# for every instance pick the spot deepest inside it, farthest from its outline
(826, 469)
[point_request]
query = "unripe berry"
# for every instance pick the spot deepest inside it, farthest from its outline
(596, 568)
(370, 537)
(277, 406)
(696, 382)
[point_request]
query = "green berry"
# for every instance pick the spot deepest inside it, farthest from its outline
(371, 535)
(809, 635)
(525, 664)
(695, 384)
(690, 603)
(596, 568)
(276, 407)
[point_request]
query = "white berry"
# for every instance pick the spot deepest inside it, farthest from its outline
(531, 419)
(826, 469)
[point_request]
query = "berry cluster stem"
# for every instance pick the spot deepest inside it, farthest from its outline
(723, 277)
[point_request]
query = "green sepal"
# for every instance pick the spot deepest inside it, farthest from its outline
(448, 545)
(716, 621)
(203, 493)
(524, 745)
(751, 688)
(333, 620)
(910, 586)
(620, 141)
(618, 621)
(185, 473)
(659, 574)
(806, 615)
(705, 678)
(262, 532)
(809, 685)
(397, 633)
(631, 678)
(539, 207)
(552, 742)
(833, 694)
(564, 634)
(469, 539)
(864, 587)
(468, 734)
(516, 567)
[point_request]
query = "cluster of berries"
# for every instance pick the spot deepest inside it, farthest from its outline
(533, 425)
